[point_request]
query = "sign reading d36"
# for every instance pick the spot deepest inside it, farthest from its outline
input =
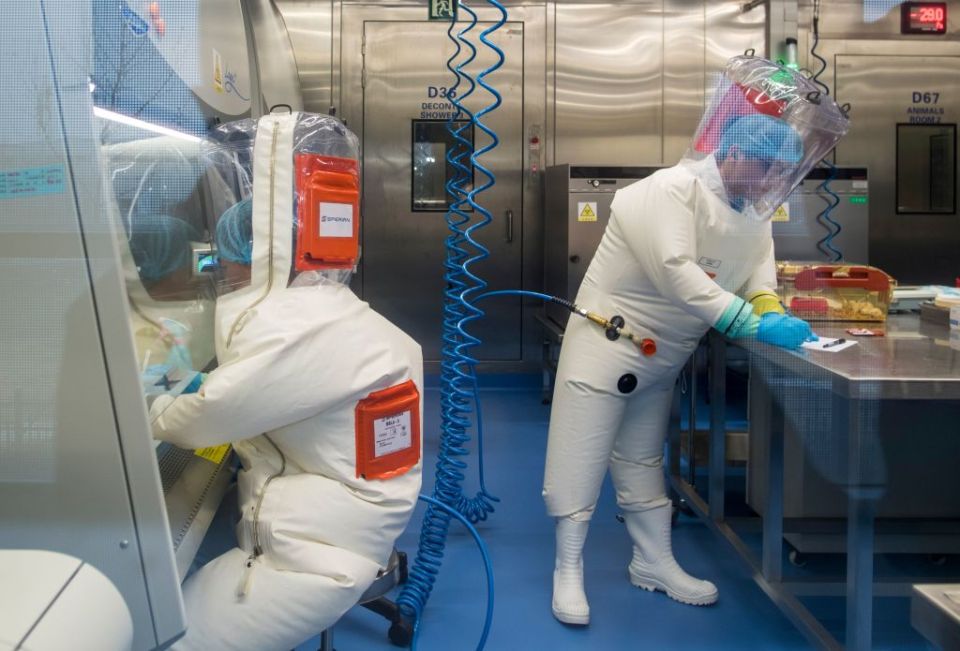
(443, 9)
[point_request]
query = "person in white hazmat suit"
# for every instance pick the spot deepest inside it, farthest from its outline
(319, 395)
(688, 248)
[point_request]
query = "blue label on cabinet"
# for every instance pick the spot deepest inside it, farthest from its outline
(32, 181)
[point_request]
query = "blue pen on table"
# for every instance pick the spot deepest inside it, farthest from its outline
(835, 343)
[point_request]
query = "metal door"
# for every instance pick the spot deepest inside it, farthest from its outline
(894, 98)
(405, 81)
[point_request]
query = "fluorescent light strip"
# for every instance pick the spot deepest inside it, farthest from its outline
(140, 124)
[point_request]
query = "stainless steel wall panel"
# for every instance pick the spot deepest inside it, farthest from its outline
(571, 242)
(875, 68)
(730, 31)
(403, 249)
(683, 75)
(609, 87)
(796, 236)
(277, 67)
(535, 93)
(348, 64)
(913, 248)
(604, 82)
(310, 27)
(872, 20)
(845, 28)
(550, 78)
(336, 54)
(781, 26)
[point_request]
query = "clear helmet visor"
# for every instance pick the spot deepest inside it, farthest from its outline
(320, 237)
(766, 127)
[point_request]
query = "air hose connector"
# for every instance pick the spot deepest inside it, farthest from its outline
(615, 327)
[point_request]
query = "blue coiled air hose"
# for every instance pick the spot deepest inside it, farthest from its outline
(458, 381)
(487, 566)
(824, 191)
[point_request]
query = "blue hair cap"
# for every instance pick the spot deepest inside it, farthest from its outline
(160, 245)
(235, 233)
(762, 137)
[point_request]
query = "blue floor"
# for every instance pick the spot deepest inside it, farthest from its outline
(520, 539)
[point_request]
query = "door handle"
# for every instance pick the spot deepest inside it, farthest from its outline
(509, 220)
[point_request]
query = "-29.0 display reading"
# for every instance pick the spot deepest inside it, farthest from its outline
(923, 18)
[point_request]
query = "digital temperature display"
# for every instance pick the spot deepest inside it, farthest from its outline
(923, 18)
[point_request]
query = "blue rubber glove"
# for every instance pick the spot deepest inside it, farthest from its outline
(784, 331)
(738, 320)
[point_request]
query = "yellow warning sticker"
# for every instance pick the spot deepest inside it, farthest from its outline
(586, 211)
(782, 214)
(214, 454)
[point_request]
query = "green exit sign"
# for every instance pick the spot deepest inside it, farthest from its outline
(859, 200)
(443, 9)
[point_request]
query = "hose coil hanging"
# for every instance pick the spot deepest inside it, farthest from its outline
(459, 393)
(824, 191)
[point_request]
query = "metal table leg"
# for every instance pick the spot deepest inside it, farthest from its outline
(861, 511)
(860, 529)
(766, 419)
(692, 419)
(717, 375)
(673, 434)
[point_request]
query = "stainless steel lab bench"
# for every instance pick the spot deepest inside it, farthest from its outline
(914, 362)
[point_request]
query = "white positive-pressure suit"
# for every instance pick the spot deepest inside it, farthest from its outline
(667, 235)
(295, 361)
(679, 248)
(672, 256)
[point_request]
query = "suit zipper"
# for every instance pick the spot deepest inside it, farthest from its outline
(247, 575)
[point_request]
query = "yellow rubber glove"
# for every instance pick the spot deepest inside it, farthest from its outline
(765, 301)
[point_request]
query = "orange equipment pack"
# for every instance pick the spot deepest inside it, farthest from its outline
(328, 211)
(388, 432)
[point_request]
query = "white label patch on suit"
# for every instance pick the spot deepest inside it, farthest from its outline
(586, 211)
(336, 219)
(712, 263)
(392, 434)
(782, 214)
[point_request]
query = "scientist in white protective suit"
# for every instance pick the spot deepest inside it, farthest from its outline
(319, 395)
(686, 249)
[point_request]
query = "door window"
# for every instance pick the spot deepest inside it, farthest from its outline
(926, 168)
(432, 142)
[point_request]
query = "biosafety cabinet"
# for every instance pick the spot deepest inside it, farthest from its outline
(104, 299)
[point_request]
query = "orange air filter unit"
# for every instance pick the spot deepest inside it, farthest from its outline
(328, 212)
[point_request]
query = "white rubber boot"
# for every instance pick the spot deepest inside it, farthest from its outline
(569, 600)
(653, 566)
